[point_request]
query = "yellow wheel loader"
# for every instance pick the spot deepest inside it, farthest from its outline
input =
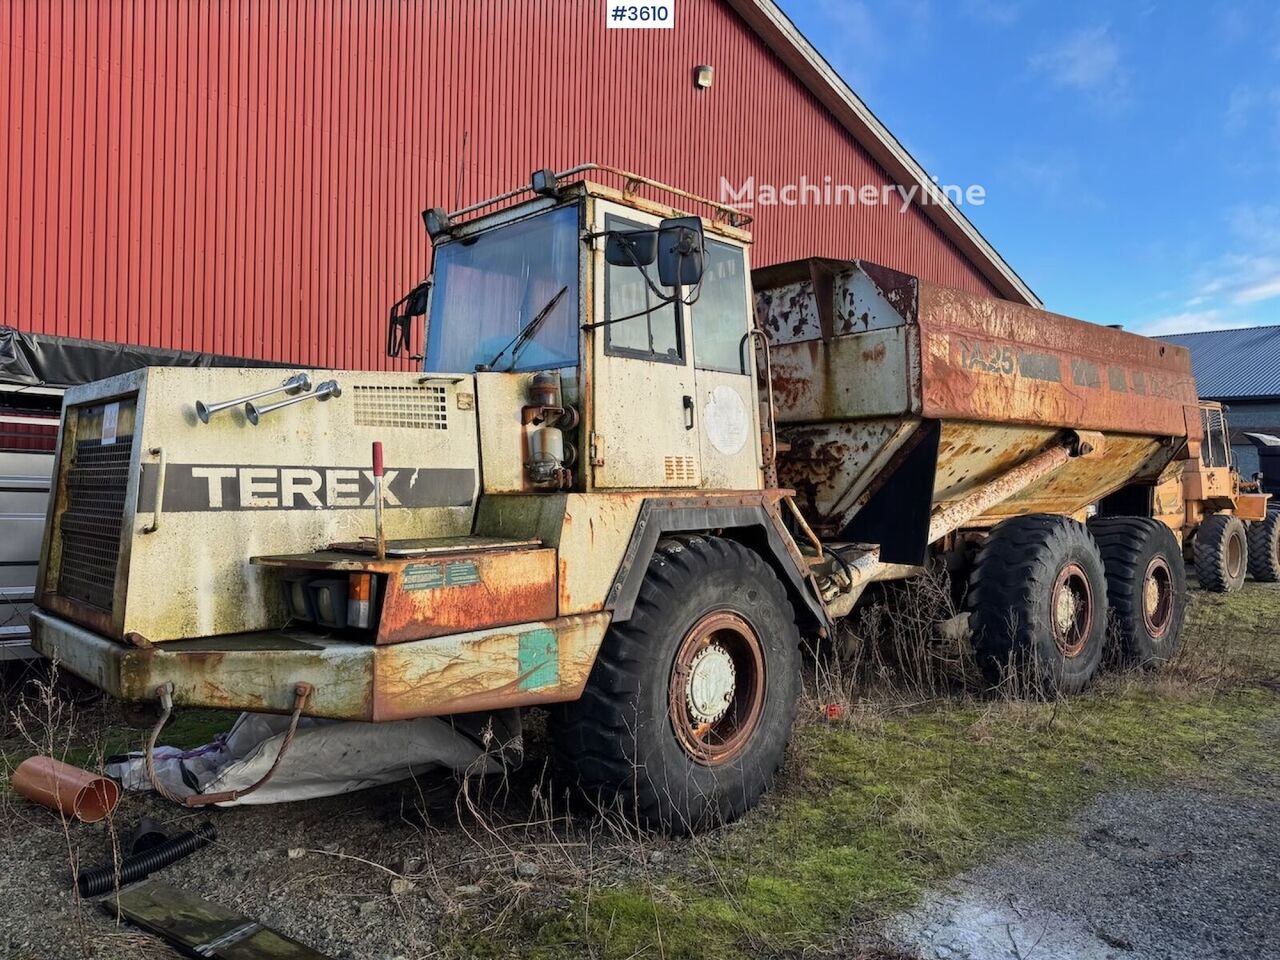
(1227, 526)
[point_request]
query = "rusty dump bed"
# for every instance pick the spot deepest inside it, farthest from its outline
(882, 378)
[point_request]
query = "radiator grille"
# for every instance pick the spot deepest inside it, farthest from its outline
(423, 407)
(91, 523)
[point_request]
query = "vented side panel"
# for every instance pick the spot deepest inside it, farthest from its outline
(90, 525)
(422, 407)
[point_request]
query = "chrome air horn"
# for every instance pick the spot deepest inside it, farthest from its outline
(323, 391)
(298, 383)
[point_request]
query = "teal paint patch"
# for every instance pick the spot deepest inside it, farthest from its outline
(432, 576)
(539, 659)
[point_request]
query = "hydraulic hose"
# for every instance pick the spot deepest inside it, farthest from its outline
(99, 880)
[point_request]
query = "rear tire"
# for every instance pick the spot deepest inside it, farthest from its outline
(688, 710)
(1221, 553)
(1037, 601)
(1146, 586)
(1264, 548)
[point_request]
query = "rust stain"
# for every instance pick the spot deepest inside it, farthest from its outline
(1004, 379)
(487, 672)
(994, 360)
(453, 593)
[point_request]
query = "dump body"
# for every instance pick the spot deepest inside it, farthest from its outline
(883, 381)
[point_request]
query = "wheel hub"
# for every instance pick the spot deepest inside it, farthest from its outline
(1157, 597)
(1071, 607)
(717, 690)
(709, 689)
(1235, 556)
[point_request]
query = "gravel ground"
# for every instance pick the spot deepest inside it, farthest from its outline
(257, 865)
(375, 875)
(1180, 874)
(1139, 875)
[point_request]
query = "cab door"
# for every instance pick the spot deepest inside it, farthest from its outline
(725, 396)
(644, 433)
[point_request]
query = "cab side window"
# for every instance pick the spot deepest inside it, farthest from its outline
(720, 317)
(638, 323)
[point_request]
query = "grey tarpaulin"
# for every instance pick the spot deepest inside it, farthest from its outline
(328, 757)
(38, 359)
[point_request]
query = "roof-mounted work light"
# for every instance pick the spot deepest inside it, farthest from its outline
(544, 182)
(436, 221)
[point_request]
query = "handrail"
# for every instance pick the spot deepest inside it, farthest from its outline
(723, 212)
(154, 525)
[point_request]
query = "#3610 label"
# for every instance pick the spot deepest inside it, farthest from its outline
(640, 16)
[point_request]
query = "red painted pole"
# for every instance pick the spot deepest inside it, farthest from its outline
(380, 538)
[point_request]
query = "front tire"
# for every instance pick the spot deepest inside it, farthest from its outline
(1264, 548)
(1221, 553)
(1038, 601)
(689, 707)
(1146, 586)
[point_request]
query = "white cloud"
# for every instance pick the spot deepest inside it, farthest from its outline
(1055, 176)
(1192, 321)
(1001, 13)
(1257, 226)
(859, 38)
(1238, 288)
(1252, 273)
(1239, 107)
(1089, 61)
(1256, 293)
(1255, 112)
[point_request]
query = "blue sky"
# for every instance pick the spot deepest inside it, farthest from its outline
(1130, 151)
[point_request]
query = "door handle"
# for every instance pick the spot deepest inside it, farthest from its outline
(688, 412)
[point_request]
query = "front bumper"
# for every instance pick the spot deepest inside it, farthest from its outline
(530, 663)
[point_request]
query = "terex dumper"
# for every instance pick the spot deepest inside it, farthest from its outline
(624, 483)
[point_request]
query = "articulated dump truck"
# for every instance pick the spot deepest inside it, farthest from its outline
(626, 481)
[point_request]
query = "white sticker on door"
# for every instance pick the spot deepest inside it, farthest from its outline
(725, 420)
(110, 423)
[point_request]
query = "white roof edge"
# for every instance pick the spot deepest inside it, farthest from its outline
(780, 34)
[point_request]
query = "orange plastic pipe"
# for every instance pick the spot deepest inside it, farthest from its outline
(67, 789)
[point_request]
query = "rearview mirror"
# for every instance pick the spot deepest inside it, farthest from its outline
(681, 251)
(400, 323)
(631, 248)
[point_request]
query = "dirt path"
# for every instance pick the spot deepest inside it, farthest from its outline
(1169, 874)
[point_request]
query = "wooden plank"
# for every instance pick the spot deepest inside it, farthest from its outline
(202, 928)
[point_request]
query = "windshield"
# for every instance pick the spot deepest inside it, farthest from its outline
(488, 288)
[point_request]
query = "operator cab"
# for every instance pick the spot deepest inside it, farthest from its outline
(643, 304)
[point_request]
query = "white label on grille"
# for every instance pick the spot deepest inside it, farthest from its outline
(110, 419)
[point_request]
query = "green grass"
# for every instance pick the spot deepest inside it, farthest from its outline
(873, 810)
(867, 818)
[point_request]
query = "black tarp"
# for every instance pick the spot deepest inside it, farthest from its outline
(40, 360)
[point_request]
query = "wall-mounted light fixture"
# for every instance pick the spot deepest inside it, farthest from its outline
(703, 75)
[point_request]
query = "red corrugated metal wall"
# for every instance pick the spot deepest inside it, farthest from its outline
(246, 176)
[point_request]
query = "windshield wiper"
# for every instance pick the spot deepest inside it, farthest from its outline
(526, 333)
